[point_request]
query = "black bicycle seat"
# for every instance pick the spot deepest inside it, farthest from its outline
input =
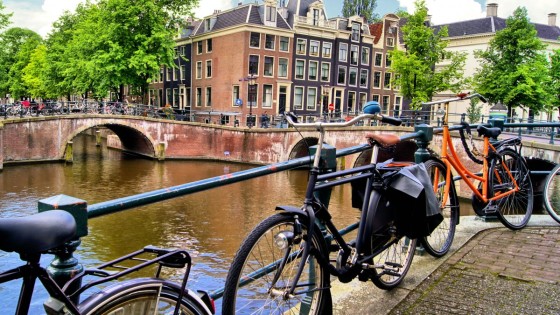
(488, 132)
(36, 233)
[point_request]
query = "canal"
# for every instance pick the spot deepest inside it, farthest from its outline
(209, 224)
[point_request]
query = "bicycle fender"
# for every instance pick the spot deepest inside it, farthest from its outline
(292, 209)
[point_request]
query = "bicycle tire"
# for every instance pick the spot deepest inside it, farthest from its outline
(552, 193)
(392, 264)
(259, 250)
(140, 297)
(514, 210)
(440, 240)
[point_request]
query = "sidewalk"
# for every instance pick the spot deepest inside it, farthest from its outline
(489, 270)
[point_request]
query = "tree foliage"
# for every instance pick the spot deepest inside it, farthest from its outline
(363, 8)
(514, 68)
(4, 17)
(474, 111)
(425, 67)
(554, 86)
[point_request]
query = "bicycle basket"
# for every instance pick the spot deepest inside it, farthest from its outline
(413, 201)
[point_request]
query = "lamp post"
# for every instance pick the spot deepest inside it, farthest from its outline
(251, 81)
(326, 88)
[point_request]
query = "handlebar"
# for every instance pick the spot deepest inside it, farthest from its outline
(292, 120)
(460, 97)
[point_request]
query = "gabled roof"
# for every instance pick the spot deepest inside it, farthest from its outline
(376, 30)
(243, 14)
(492, 24)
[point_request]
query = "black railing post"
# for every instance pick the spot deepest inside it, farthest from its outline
(425, 136)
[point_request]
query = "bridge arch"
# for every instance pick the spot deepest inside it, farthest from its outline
(301, 148)
(133, 139)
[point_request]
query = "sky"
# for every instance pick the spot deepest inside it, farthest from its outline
(38, 15)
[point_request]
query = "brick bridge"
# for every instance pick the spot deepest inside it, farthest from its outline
(49, 138)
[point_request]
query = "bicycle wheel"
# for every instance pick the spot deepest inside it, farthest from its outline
(261, 258)
(142, 296)
(439, 241)
(552, 193)
(392, 264)
(513, 210)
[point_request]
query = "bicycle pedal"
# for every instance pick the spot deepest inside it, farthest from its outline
(490, 209)
(391, 273)
(394, 265)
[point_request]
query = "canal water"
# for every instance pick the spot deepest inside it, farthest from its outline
(209, 224)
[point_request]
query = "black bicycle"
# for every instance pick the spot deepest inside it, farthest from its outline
(48, 231)
(284, 264)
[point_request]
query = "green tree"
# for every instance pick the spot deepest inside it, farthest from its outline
(554, 86)
(34, 73)
(419, 71)
(15, 46)
(514, 67)
(363, 8)
(4, 17)
(474, 112)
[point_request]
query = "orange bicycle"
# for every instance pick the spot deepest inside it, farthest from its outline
(504, 186)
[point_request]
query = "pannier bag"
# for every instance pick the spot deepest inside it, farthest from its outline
(413, 201)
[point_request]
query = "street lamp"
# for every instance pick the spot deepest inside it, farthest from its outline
(251, 82)
(326, 88)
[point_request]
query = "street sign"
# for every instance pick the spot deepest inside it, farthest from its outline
(238, 102)
(331, 106)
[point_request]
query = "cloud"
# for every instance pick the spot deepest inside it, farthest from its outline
(206, 8)
(446, 11)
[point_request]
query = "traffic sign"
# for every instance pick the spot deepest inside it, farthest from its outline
(331, 106)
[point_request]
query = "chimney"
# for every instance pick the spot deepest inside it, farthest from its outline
(491, 9)
(552, 19)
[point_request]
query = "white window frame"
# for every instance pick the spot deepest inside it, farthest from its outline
(316, 63)
(313, 105)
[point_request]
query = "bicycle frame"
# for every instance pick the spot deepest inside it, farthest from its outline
(452, 161)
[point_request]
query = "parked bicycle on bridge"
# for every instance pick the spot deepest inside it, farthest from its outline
(284, 264)
(504, 188)
(47, 232)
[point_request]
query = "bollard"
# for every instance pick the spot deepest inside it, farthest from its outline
(65, 266)
(425, 136)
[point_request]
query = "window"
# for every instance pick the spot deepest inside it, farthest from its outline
(169, 74)
(311, 98)
(298, 97)
(341, 75)
(284, 43)
(253, 64)
(208, 96)
(269, 41)
(343, 52)
(199, 69)
(327, 50)
(183, 72)
(385, 104)
(365, 55)
(363, 100)
(209, 45)
(355, 32)
(397, 106)
(176, 73)
(353, 76)
(351, 101)
(176, 98)
(168, 96)
(377, 79)
(255, 41)
(354, 55)
(313, 68)
(199, 47)
(390, 42)
(268, 66)
(161, 75)
(267, 96)
(325, 71)
(387, 60)
(300, 69)
(198, 97)
(375, 98)
(363, 78)
(270, 13)
(282, 67)
(208, 68)
(378, 59)
(235, 95)
(314, 48)
(316, 17)
(301, 46)
(387, 80)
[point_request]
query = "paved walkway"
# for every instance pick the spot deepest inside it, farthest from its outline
(490, 270)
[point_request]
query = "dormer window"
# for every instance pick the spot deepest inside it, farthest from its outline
(270, 13)
(355, 32)
(207, 25)
(316, 15)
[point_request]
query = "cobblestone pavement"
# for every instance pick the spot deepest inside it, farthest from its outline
(499, 271)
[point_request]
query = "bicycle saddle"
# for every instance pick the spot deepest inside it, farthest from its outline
(488, 132)
(36, 233)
